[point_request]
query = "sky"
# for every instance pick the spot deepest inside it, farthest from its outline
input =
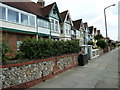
(92, 12)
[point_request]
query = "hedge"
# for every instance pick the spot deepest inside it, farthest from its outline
(42, 48)
(101, 43)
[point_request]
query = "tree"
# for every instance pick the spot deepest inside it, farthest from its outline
(98, 37)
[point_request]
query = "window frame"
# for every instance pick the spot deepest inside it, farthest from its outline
(9, 17)
(7, 8)
(2, 12)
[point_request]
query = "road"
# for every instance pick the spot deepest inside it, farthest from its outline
(101, 72)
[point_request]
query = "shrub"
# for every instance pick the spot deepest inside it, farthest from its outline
(5, 50)
(90, 42)
(101, 43)
(33, 49)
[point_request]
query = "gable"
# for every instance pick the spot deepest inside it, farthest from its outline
(81, 25)
(54, 13)
(68, 19)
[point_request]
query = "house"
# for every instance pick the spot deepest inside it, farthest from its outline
(91, 28)
(66, 26)
(95, 31)
(79, 30)
(17, 24)
(22, 19)
(73, 32)
(51, 12)
(87, 33)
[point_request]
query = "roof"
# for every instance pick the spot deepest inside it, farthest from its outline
(46, 10)
(91, 29)
(73, 28)
(98, 32)
(30, 6)
(77, 23)
(94, 30)
(63, 14)
(85, 25)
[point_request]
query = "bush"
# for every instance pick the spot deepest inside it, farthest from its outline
(5, 50)
(90, 42)
(101, 43)
(33, 49)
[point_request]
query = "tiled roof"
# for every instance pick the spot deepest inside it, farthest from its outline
(77, 23)
(46, 10)
(85, 25)
(63, 14)
(91, 29)
(30, 7)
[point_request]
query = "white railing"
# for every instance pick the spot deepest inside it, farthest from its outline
(95, 53)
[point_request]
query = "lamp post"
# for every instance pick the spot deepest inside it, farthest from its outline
(106, 23)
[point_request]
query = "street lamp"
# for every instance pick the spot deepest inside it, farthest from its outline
(106, 22)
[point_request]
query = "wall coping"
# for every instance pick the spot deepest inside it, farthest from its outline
(48, 59)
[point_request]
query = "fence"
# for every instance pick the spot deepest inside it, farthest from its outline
(95, 53)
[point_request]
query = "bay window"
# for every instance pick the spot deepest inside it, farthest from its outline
(13, 16)
(16, 16)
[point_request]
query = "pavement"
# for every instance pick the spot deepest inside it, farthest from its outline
(101, 72)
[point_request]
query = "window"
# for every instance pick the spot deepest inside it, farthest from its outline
(32, 21)
(24, 19)
(52, 25)
(13, 16)
(2, 13)
(43, 23)
(56, 25)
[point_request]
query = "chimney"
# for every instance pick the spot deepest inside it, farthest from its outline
(41, 3)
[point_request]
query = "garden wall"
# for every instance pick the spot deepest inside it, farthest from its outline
(25, 75)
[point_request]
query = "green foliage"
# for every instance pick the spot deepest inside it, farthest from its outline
(5, 50)
(90, 42)
(19, 56)
(101, 43)
(98, 37)
(34, 49)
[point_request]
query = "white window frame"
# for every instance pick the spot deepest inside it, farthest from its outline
(19, 11)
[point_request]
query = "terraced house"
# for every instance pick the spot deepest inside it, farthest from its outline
(87, 33)
(66, 26)
(16, 24)
(22, 19)
(80, 31)
(91, 28)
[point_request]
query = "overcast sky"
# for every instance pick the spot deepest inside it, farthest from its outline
(92, 11)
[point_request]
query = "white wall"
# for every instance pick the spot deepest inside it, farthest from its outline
(43, 30)
(17, 26)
